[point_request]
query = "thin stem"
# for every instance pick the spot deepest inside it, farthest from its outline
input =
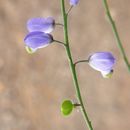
(80, 61)
(113, 25)
(77, 105)
(72, 67)
(62, 43)
(69, 9)
(60, 24)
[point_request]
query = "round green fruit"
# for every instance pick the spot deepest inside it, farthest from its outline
(67, 107)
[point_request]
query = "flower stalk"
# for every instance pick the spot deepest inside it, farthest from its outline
(81, 61)
(72, 66)
(116, 34)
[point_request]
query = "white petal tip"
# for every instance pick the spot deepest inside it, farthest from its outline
(107, 74)
(29, 50)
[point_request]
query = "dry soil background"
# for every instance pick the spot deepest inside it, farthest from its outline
(32, 87)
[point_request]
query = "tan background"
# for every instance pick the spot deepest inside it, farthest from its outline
(32, 87)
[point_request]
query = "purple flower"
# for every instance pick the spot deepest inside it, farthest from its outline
(36, 40)
(74, 2)
(41, 24)
(103, 62)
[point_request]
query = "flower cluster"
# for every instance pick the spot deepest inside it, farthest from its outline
(39, 37)
(39, 33)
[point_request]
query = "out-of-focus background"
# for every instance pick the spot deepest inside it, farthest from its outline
(32, 87)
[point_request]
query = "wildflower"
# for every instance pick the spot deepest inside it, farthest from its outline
(36, 40)
(45, 25)
(74, 2)
(103, 62)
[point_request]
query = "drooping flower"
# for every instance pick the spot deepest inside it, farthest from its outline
(74, 2)
(103, 62)
(36, 40)
(45, 25)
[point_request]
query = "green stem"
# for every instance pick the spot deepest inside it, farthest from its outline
(113, 25)
(81, 61)
(72, 66)
(60, 24)
(69, 9)
(62, 43)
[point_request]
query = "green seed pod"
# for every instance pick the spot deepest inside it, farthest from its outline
(67, 107)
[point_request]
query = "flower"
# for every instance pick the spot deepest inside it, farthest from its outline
(74, 2)
(45, 25)
(103, 62)
(36, 40)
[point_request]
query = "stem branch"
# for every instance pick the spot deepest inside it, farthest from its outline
(69, 9)
(114, 28)
(62, 43)
(60, 24)
(81, 61)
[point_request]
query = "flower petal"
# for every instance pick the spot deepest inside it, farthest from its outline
(74, 2)
(41, 24)
(102, 61)
(30, 50)
(107, 74)
(37, 40)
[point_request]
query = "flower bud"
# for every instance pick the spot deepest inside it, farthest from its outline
(45, 25)
(36, 40)
(103, 62)
(67, 107)
(74, 2)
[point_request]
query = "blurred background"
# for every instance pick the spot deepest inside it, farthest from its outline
(32, 87)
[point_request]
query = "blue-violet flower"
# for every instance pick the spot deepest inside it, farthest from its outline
(103, 62)
(41, 24)
(74, 2)
(36, 40)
